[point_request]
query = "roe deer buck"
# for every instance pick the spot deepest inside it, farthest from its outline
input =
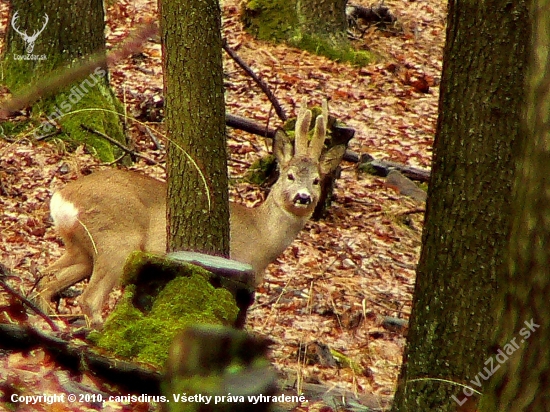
(105, 216)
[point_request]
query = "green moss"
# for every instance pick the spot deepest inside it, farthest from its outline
(67, 108)
(334, 50)
(347, 362)
(20, 76)
(260, 170)
(272, 21)
(277, 20)
(12, 129)
(368, 168)
(145, 335)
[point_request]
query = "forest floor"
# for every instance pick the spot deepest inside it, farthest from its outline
(345, 273)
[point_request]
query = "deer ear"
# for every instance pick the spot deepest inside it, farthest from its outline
(331, 159)
(282, 147)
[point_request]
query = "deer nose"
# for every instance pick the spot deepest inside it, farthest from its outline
(302, 199)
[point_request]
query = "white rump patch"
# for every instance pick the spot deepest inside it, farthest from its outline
(63, 212)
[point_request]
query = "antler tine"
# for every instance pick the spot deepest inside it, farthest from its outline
(302, 127)
(324, 107)
(318, 139)
(14, 20)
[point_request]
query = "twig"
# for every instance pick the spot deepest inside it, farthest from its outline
(47, 136)
(79, 357)
(114, 162)
(30, 304)
(411, 211)
(262, 84)
(118, 144)
(399, 311)
(158, 145)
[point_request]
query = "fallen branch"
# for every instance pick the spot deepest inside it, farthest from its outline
(247, 125)
(383, 167)
(378, 167)
(118, 144)
(334, 397)
(261, 83)
(363, 16)
(26, 301)
(75, 355)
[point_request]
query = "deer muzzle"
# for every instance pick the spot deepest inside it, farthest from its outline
(302, 199)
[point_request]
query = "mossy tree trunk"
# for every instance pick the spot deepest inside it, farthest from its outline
(468, 209)
(198, 208)
(323, 18)
(318, 26)
(521, 382)
(44, 36)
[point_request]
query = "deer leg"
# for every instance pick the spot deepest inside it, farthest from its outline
(69, 269)
(106, 274)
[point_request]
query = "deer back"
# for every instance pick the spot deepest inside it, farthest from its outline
(101, 209)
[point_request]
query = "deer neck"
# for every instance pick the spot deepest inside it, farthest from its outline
(281, 226)
(261, 234)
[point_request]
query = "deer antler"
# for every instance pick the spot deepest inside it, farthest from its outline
(318, 139)
(319, 133)
(314, 148)
(14, 22)
(302, 127)
(29, 40)
(37, 33)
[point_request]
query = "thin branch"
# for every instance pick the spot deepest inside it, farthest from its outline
(260, 82)
(28, 303)
(118, 144)
(158, 145)
(411, 211)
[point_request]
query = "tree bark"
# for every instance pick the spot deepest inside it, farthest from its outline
(318, 26)
(521, 382)
(468, 209)
(325, 18)
(44, 36)
(198, 208)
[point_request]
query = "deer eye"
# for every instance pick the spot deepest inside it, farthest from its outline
(316, 181)
(290, 176)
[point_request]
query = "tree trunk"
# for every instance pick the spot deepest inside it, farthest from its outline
(521, 382)
(318, 26)
(47, 35)
(198, 209)
(324, 18)
(468, 212)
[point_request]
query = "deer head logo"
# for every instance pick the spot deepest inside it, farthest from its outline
(29, 40)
